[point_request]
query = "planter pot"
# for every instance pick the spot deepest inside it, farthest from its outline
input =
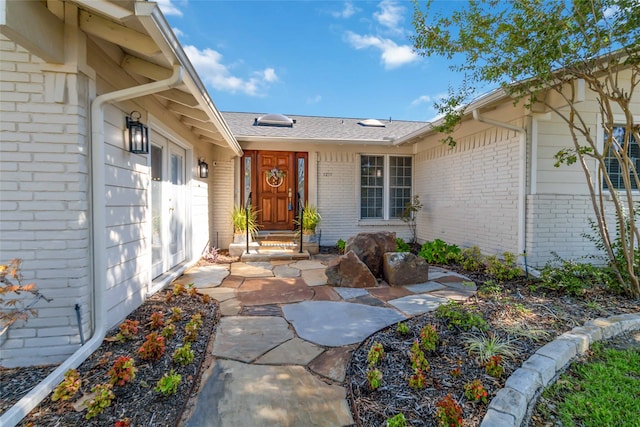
(309, 238)
(241, 238)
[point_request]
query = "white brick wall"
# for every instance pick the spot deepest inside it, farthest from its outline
(43, 214)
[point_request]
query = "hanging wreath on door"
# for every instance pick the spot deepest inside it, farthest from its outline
(275, 177)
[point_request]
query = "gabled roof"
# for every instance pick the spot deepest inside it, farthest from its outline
(319, 129)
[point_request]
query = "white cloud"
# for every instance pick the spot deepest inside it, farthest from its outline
(314, 99)
(178, 32)
(392, 54)
(390, 15)
(169, 8)
(209, 64)
(421, 100)
(347, 11)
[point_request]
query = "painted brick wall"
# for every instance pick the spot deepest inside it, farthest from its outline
(469, 193)
(43, 214)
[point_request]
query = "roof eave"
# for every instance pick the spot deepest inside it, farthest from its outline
(339, 141)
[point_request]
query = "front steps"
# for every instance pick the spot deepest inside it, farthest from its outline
(272, 246)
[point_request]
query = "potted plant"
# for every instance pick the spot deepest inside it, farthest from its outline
(310, 220)
(239, 220)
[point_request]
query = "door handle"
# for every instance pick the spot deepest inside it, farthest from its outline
(290, 196)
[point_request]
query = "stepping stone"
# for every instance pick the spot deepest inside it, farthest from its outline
(253, 269)
(335, 324)
(325, 293)
(457, 282)
(386, 293)
(230, 307)
(261, 310)
(368, 300)
(262, 291)
(237, 394)
(292, 352)
(232, 281)
(332, 363)
(425, 287)
(308, 265)
(219, 294)
(454, 294)
(314, 277)
(247, 338)
(417, 304)
(348, 293)
(437, 272)
(204, 277)
(285, 271)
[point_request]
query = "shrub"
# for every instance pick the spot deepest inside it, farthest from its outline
(376, 353)
(397, 420)
(68, 387)
(122, 371)
(570, 276)
(341, 244)
(374, 378)
(418, 380)
(152, 348)
(179, 289)
(101, 401)
(475, 392)
(402, 328)
(448, 412)
(156, 320)
(428, 338)
(418, 361)
(439, 252)
(471, 259)
(183, 355)
(493, 367)
(168, 384)
(176, 314)
(457, 316)
(402, 246)
(505, 269)
(128, 330)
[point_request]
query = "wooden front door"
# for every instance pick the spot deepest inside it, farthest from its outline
(274, 178)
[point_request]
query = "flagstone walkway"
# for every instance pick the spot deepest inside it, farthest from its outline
(284, 340)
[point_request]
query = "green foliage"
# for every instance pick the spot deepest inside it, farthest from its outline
(418, 361)
(68, 387)
(152, 348)
(168, 384)
(376, 353)
(397, 420)
(491, 289)
(429, 338)
(503, 270)
(310, 219)
(192, 327)
(602, 391)
(570, 277)
(156, 320)
(402, 328)
(448, 412)
(374, 378)
(493, 366)
(183, 355)
(168, 331)
(439, 252)
(176, 314)
(127, 330)
(402, 246)
(101, 400)
(483, 347)
(458, 316)
(471, 259)
(341, 244)
(122, 371)
(239, 220)
(418, 380)
(179, 289)
(408, 216)
(475, 392)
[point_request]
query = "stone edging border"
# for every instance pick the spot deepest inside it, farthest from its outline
(513, 404)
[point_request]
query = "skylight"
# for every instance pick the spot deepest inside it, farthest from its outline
(371, 123)
(274, 120)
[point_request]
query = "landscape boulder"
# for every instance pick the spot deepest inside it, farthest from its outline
(370, 248)
(404, 268)
(349, 272)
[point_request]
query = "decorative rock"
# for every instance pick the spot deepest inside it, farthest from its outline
(371, 247)
(348, 271)
(404, 268)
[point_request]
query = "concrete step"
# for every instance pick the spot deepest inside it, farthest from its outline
(264, 254)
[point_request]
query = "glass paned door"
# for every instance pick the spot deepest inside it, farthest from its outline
(156, 210)
(176, 206)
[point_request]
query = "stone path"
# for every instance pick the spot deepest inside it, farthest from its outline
(285, 338)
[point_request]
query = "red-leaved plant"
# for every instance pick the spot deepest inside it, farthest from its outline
(122, 371)
(449, 412)
(152, 348)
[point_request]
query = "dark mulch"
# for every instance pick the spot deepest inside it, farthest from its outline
(529, 318)
(136, 400)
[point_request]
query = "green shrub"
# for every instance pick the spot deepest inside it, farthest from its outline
(457, 316)
(341, 244)
(503, 270)
(183, 355)
(168, 384)
(471, 259)
(439, 252)
(402, 246)
(571, 277)
(397, 420)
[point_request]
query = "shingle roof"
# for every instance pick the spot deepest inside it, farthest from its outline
(323, 128)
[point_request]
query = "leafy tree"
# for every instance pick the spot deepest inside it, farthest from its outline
(550, 48)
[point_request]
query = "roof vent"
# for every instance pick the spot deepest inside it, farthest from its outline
(274, 120)
(371, 123)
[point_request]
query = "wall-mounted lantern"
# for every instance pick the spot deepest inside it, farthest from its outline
(203, 168)
(138, 134)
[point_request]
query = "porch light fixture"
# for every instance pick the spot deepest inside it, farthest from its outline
(203, 168)
(138, 134)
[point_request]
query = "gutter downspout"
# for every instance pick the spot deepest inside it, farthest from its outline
(522, 170)
(18, 411)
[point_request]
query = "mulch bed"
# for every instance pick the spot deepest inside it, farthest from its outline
(529, 318)
(136, 400)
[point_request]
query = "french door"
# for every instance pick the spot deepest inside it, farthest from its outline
(168, 205)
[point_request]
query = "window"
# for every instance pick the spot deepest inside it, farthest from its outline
(611, 163)
(383, 195)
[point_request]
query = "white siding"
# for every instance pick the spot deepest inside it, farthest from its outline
(44, 211)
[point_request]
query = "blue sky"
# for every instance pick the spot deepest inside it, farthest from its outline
(320, 58)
